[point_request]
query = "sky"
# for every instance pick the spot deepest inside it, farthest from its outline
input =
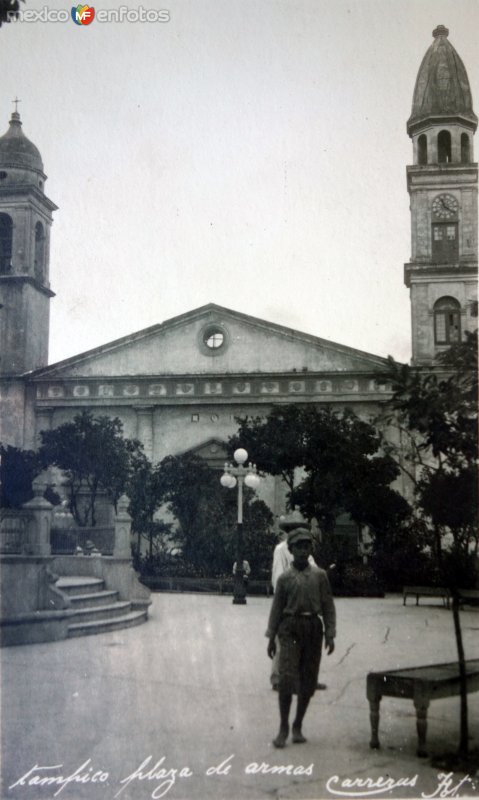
(249, 153)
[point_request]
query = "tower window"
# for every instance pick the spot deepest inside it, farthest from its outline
(6, 236)
(445, 245)
(422, 149)
(444, 147)
(447, 321)
(39, 258)
(465, 149)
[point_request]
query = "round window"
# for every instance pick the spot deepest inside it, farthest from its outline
(214, 338)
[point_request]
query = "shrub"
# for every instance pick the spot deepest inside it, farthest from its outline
(357, 580)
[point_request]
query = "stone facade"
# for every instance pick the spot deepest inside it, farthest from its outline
(176, 394)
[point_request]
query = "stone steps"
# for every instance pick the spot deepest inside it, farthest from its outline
(102, 613)
(95, 599)
(80, 584)
(125, 621)
(95, 609)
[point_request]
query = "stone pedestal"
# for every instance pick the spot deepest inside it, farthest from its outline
(122, 548)
(39, 521)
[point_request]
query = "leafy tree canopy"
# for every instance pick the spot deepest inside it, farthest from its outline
(440, 404)
(343, 468)
(436, 411)
(94, 457)
(146, 493)
(18, 468)
(206, 514)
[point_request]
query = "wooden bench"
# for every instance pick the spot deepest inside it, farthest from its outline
(427, 591)
(420, 684)
(469, 596)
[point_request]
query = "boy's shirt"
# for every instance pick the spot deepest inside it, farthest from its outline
(303, 591)
(282, 560)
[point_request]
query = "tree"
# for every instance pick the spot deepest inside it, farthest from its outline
(8, 10)
(274, 443)
(339, 454)
(435, 411)
(146, 495)
(94, 456)
(18, 468)
(206, 515)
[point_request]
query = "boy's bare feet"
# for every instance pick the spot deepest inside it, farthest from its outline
(297, 736)
(280, 739)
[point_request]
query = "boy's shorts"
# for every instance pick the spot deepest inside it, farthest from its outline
(301, 640)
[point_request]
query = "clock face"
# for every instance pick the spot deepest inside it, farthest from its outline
(445, 206)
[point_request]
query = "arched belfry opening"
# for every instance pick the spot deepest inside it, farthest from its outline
(6, 236)
(422, 149)
(444, 148)
(39, 256)
(465, 149)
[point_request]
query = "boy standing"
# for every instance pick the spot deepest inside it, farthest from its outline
(302, 596)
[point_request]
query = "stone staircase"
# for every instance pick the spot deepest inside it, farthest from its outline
(96, 609)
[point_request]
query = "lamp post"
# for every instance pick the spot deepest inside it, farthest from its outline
(236, 476)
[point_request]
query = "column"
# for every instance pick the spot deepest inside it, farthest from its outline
(43, 422)
(145, 428)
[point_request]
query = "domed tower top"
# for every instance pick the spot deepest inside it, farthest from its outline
(442, 87)
(18, 153)
(442, 183)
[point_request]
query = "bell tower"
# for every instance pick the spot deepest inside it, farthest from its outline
(25, 222)
(442, 184)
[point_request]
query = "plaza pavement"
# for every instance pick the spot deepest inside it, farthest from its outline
(190, 689)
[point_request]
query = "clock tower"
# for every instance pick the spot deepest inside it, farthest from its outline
(442, 184)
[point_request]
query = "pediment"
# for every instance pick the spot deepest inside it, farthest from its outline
(213, 340)
(213, 451)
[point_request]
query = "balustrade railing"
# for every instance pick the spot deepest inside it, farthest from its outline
(14, 532)
(66, 542)
(31, 530)
(39, 529)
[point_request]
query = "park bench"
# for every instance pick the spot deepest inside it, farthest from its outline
(420, 684)
(426, 591)
(469, 596)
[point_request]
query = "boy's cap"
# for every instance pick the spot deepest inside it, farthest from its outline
(299, 534)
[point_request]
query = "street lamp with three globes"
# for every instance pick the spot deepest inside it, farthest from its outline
(237, 475)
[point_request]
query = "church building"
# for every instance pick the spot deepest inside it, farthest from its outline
(179, 385)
